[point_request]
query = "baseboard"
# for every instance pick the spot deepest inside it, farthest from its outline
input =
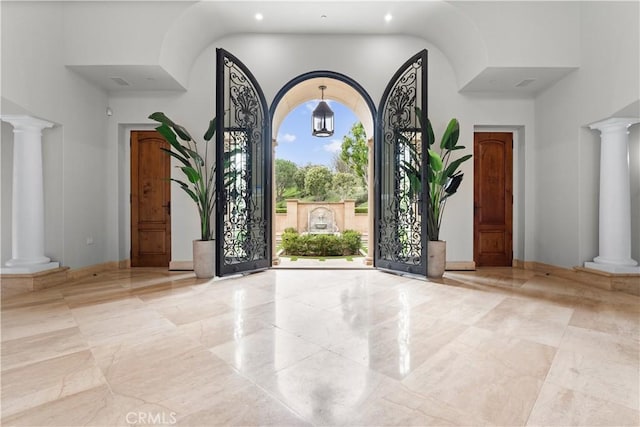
(16, 284)
(82, 272)
(516, 263)
(627, 283)
(460, 265)
(21, 283)
(180, 265)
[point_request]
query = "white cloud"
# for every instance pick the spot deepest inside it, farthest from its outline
(287, 137)
(335, 146)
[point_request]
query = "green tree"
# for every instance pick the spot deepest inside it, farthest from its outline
(299, 177)
(317, 182)
(285, 176)
(345, 185)
(339, 165)
(355, 153)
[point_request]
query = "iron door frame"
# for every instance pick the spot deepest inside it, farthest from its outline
(387, 219)
(252, 249)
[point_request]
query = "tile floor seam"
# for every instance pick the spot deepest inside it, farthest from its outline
(274, 396)
(625, 335)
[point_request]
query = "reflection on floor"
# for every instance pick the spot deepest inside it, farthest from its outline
(321, 347)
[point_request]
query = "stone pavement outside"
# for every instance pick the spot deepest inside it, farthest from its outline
(328, 263)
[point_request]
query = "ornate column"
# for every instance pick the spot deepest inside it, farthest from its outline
(368, 260)
(615, 198)
(27, 221)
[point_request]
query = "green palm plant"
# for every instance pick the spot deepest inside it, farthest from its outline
(200, 175)
(443, 176)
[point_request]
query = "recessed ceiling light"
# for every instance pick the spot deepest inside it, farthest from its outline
(259, 17)
(388, 17)
(323, 16)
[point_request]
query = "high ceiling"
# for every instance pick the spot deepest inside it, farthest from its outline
(485, 59)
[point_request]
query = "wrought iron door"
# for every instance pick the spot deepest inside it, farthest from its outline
(400, 171)
(243, 173)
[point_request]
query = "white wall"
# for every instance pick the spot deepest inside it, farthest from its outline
(634, 165)
(35, 81)
(568, 154)
(528, 33)
(85, 155)
(6, 171)
(97, 32)
(276, 59)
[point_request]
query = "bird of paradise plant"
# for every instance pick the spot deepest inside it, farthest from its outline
(443, 176)
(199, 172)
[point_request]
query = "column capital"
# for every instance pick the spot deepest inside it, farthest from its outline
(24, 122)
(614, 123)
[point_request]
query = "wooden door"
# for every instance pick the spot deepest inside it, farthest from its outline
(150, 200)
(493, 199)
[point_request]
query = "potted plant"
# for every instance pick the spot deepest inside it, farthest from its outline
(199, 185)
(443, 178)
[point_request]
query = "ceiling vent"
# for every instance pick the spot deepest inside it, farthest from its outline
(525, 82)
(120, 81)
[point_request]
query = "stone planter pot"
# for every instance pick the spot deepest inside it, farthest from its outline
(204, 258)
(437, 254)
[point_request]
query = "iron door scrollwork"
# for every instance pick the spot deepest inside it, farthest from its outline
(243, 170)
(400, 223)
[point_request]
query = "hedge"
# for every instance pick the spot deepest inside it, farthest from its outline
(348, 243)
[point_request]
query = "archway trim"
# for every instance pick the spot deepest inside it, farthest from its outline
(323, 74)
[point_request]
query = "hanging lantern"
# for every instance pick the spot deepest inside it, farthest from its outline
(322, 118)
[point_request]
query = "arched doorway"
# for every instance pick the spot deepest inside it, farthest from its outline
(244, 177)
(340, 88)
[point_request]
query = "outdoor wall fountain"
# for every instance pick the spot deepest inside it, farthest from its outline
(322, 221)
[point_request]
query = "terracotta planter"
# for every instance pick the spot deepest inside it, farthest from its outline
(204, 258)
(437, 253)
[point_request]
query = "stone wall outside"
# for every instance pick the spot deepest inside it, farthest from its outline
(297, 216)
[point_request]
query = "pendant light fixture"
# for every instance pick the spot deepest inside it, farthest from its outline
(322, 118)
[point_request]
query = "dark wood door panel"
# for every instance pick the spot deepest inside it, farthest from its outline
(150, 200)
(493, 199)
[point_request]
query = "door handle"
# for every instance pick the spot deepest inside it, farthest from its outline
(168, 206)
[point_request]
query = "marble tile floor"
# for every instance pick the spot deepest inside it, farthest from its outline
(497, 346)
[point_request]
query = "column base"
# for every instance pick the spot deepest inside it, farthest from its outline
(613, 268)
(616, 261)
(28, 268)
(17, 284)
(20, 262)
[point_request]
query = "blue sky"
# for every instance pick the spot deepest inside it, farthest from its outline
(296, 143)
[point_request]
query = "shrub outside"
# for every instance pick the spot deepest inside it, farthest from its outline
(321, 244)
